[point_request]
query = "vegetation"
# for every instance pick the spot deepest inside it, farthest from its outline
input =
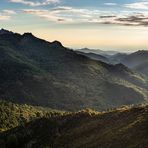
(13, 115)
(36, 75)
(38, 72)
(122, 127)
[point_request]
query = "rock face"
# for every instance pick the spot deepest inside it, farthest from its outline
(38, 72)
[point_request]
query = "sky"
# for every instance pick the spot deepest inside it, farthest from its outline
(97, 24)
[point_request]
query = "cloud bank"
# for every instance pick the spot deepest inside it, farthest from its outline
(6, 14)
(35, 3)
(138, 5)
(69, 15)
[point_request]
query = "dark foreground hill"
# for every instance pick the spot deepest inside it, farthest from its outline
(119, 128)
(37, 72)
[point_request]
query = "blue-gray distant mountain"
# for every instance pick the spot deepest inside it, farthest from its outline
(95, 56)
(98, 51)
(37, 72)
(137, 61)
(117, 58)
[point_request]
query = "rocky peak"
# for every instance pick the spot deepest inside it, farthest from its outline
(3, 31)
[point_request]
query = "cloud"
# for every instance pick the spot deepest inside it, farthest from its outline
(69, 15)
(137, 5)
(44, 14)
(64, 14)
(107, 16)
(131, 20)
(6, 14)
(62, 8)
(9, 12)
(35, 3)
(4, 17)
(110, 4)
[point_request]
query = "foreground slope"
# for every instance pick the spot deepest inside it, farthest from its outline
(14, 115)
(124, 127)
(38, 72)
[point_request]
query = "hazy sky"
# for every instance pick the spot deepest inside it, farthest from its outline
(103, 24)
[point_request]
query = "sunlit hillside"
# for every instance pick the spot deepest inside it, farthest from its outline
(123, 127)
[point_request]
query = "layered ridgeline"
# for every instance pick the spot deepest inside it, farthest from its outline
(137, 61)
(38, 72)
(120, 128)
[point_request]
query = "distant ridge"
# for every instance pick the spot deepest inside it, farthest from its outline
(137, 60)
(98, 51)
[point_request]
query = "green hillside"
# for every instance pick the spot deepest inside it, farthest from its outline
(13, 115)
(37, 72)
(118, 128)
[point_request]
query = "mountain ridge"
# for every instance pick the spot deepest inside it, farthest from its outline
(38, 72)
(137, 61)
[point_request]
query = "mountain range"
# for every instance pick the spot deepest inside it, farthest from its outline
(98, 51)
(136, 61)
(55, 97)
(37, 72)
